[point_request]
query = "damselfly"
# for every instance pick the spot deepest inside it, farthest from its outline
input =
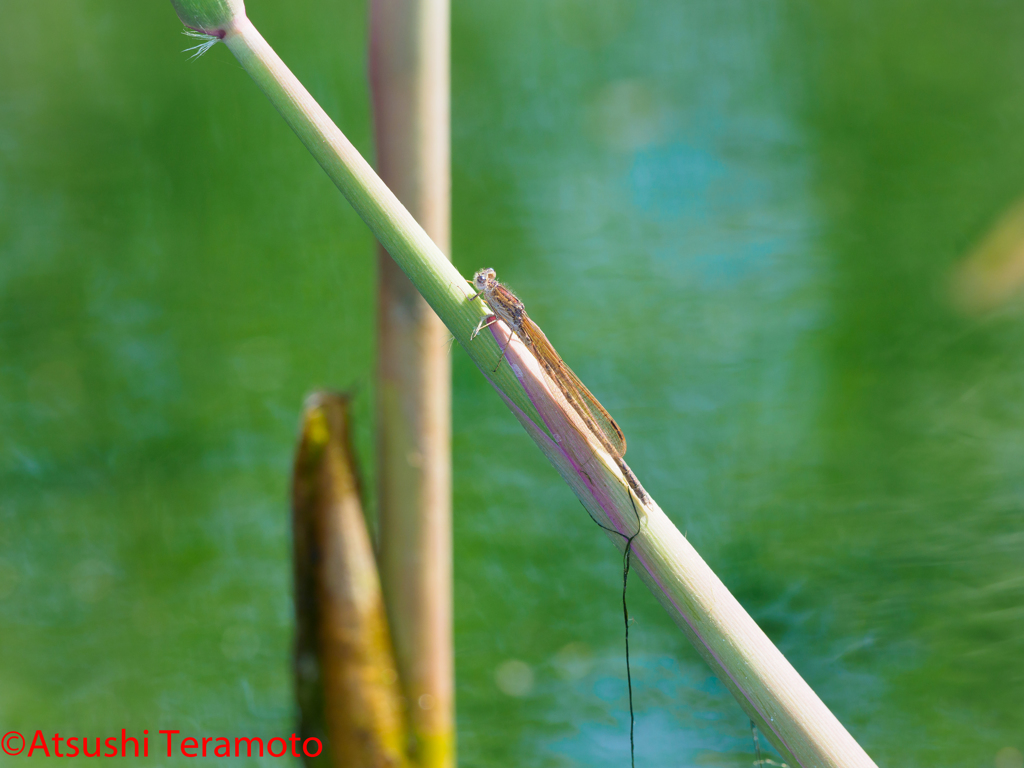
(507, 307)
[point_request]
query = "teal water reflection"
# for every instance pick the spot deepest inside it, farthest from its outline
(736, 221)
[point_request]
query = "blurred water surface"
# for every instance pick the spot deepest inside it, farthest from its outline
(736, 221)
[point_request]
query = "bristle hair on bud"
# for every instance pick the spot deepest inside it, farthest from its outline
(208, 41)
(210, 17)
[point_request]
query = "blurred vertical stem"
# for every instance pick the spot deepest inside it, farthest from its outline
(409, 76)
(346, 678)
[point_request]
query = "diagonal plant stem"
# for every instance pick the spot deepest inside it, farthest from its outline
(764, 683)
(423, 262)
(766, 686)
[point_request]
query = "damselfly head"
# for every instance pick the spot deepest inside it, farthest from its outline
(485, 279)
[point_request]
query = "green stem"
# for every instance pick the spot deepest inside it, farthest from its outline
(446, 291)
(764, 683)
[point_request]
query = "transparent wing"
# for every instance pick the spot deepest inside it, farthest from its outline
(583, 402)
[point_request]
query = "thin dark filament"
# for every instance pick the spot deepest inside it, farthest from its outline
(757, 744)
(625, 620)
(625, 614)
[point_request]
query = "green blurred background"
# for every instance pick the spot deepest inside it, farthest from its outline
(736, 221)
